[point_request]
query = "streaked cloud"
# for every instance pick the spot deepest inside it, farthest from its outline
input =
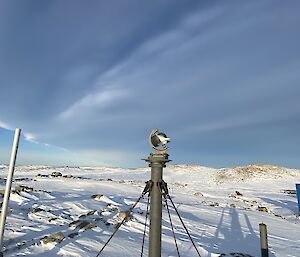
(30, 137)
(98, 100)
(4, 125)
(223, 73)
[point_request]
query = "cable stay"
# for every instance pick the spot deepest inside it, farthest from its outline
(165, 193)
(145, 227)
(171, 223)
(146, 190)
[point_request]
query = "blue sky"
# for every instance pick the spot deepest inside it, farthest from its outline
(88, 80)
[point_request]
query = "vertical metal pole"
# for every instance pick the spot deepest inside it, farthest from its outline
(263, 240)
(8, 185)
(157, 162)
(298, 197)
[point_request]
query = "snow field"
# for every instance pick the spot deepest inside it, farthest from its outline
(72, 211)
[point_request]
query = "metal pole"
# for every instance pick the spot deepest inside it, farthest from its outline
(8, 185)
(157, 162)
(298, 197)
(263, 240)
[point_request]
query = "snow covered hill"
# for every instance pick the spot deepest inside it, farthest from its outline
(72, 211)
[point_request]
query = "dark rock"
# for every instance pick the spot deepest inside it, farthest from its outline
(289, 191)
(2, 191)
(198, 194)
(72, 235)
(52, 219)
(97, 197)
(82, 224)
(238, 193)
(54, 238)
(21, 188)
(56, 174)
(263, 208)
(35, 210)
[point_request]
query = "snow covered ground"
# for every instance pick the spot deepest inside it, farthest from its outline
(222, 209)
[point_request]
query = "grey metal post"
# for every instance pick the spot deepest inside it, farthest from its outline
(263, 240)
(11, 169)
(157, 162)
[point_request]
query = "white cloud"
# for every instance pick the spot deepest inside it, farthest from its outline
(27, 136)
(5, 125)
(99, 100)
(30, 137)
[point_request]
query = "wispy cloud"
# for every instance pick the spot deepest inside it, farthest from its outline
(94, 101)
(5, 125)
(30, 137)
(189, 67)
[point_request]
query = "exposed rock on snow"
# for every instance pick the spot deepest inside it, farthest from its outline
(97, 197)
(263, 208)
(22, 188)
(124, 214)
(54, 238)
(72, 235)
(56, 174)
(198, 194)
(82, 224)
